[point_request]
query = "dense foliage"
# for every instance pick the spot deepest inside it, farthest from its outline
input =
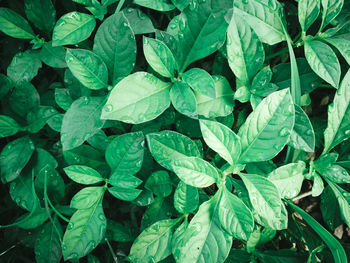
(175, 131)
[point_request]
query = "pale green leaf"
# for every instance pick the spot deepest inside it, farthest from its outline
(186, 198)
(160, 5)
(308, 11)
(83, 174)
(87, 197)
(183, 99)
(200, 81)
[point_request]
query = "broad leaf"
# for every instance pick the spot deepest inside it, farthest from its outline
(342, 43)
(266, 130)
(84, 232)
(308, 11)
(8, 126)
(222, 140)
(323, 61)
(330, 10)
(14, 156)
(245, 52)
(126, 194)
(186, 198)
(41, 13)
(14, 25)
(160, 5)
(115, 43)
(53, 56)
(81, 121)
(138, 98)
(167, 146)
(87, 197)
(24, 98)
(183, 99)
(139, 22)
(338, 128)
(288, 179)
(159, 183)
(88, 68)
(200, 81)
(72, 28)
(195, 171)
(83, 174)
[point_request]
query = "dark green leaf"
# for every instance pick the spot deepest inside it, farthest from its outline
(14, 25)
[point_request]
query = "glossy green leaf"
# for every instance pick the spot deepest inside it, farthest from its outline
(266, 130)
(118, 232)
(124, 180)
(5, 85)
(195, 171)
(72, 28)
(245, 52)
(41, 13)
(200, 81)
(160, 5)
(139, 22)
(14, 25)
(167, 146)
(87, 197)
(222, 140)
(24, 67)
(63, 98)
(302, 136)
(330, 10)
(180, 4)
(264, 20)
(14, 156)
(261, 85)
(84, 232)
(178, 238)
(154, 243)
(33, 220)
(47, 245)
(186, 198)
(88, 68)
(223, 103)
(265, 198)
(21, 192)
(336, 174)
(288, 179)
(343, 198)
(323, 61)
(308, 11)
(159, 57)
(183, 99)
(125, 154)
(83, 174)
(204, 240)
(53, 56)
(37, 118)
(330, 209)
(126, 194)
(8, 126)
(138, 98)
(115, 44)
(234, 216)
(338, 128)
(318, 185)
(159, 183)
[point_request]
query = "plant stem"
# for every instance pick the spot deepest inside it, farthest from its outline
(120, 5)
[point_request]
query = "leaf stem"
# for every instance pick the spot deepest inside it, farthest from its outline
(111, 250)
(120, 5)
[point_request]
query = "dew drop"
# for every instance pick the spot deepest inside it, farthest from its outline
(70, 226)
(108, 107)
(347, 132)
(284, 132)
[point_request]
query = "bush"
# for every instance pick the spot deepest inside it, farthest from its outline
(175, 131)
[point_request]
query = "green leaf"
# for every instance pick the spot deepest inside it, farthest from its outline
(265, 198)
(204, 241)
(83, 174)
(331, 9)
(200, 81)
(21, 192)
(318, 186)
(88, 68)
(14, 25)
(308, 11)
(180, 4)
(124, 180)
(282, 255)
(266, 130)
(261, 85)
(160, 5)
(222, 140)
(138, 98)
(14, 156)
(167, 146)
(81, 121)
(223, 103)
(342, 43)
(126, 194)
(41, 13)
(115, 43)
(24, 67)
(343, 198)
(84, 232)
(154, 243)
(336, 174)
(37, 118)
(264, 20)
(125, 154)
(24, 98)
(48, 245)
(183, 99)
(195, 171)
(118, 232)
(323, 61)
(302, 136)
(202, 30)
(330, 209)
(186, 198)
(87, 197)
(245, 52)
(159, 183)
(53, 56)
(334, 246)
(178, 237)
(139, 22)
(72, 28)
(5, 85)
(234, 216)
(63, 98)
(288, 179)
(159, 57)
(338, 128)
(34, 220)
(8, 126)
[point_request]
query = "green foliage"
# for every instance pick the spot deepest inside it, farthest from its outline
(175, 131)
